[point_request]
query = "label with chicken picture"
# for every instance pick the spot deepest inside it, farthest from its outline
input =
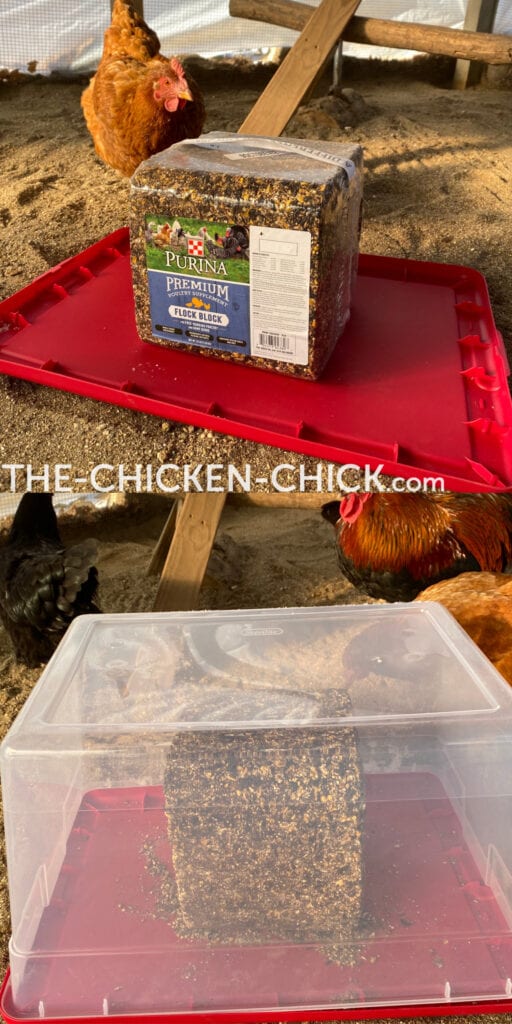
(230, 287)
(199, 282)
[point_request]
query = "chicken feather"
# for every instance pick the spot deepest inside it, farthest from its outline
(43, 585)
(482, 604)
(128, 35)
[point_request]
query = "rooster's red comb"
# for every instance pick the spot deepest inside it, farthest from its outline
(352, 506)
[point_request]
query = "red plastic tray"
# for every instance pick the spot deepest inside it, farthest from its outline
(417, 384)
(447, 927)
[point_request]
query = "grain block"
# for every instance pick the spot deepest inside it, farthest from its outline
(245, 248)
(265, 828)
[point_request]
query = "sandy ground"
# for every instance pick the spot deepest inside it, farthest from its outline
(437, 187)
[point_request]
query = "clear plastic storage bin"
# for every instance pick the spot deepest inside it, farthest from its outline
(251, 815)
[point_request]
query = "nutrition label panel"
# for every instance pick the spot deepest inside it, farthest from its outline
(279, 294)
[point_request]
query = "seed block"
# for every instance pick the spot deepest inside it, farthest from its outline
(265, 828)
(246, 248)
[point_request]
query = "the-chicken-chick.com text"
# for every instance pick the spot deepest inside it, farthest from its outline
(171, 478)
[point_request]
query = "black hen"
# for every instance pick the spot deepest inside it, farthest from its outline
(43, 586)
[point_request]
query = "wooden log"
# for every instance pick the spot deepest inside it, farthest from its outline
(446, 42)
(189, 552)
(286, 89)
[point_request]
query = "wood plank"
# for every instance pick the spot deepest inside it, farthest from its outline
(446, 42)
(283, 94)
(262, 499)
(164, 541)
(189, 552)
(480, 17)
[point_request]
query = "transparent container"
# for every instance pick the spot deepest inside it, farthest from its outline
(269, 813)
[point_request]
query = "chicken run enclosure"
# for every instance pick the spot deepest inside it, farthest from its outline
(49, 35)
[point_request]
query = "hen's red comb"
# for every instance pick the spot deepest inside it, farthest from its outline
(177, 68)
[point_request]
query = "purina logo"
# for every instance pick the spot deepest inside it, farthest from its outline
(195, 247)
(261, 631)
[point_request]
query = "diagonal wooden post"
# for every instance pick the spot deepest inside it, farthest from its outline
(287, 87)
(164, 542)
(189, 552)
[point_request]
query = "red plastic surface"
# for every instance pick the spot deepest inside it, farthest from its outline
(431, 919)
(417, 384)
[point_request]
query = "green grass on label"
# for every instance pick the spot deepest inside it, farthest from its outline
(237, 270)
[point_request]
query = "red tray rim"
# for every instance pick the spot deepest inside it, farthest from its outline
(478, 479)
(137, 797)
(427, 1010)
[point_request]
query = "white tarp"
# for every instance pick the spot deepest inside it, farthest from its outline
(65, 36)
(9, 502)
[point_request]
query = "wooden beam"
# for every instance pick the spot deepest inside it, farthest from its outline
(446, 42)
(189, 552)
(480, 17)
(260, 499)
(164, 541)
(283, 94)
(194, 531)
(286, 13)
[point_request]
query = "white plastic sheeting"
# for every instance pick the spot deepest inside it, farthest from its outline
(9, 502)
(65, 36)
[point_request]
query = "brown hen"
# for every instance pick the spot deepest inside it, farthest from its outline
(392, 546)
(482, 604)
(138, 102)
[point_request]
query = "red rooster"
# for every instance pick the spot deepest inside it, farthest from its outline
(392, 546)
(138, 102)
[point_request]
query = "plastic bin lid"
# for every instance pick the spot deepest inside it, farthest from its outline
(256, 669)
